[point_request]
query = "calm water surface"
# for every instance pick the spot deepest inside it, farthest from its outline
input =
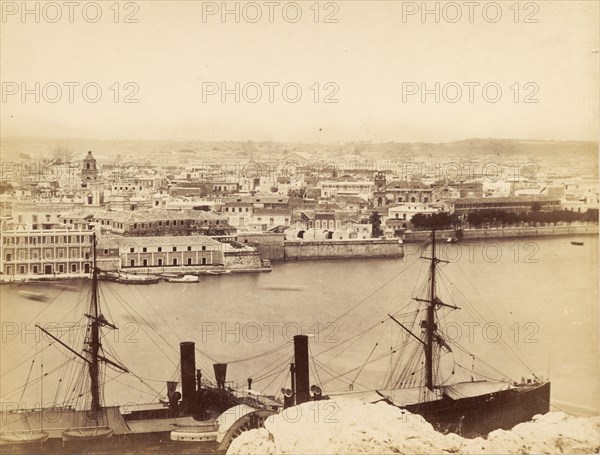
(541, 296)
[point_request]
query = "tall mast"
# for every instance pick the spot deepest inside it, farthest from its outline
(94, 342)
(430, 322)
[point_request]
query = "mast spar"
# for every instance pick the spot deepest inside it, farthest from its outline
(94, 341)
(430, 321)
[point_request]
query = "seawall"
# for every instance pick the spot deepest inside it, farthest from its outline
(337, 249)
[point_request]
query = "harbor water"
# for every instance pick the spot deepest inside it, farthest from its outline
(540, 296)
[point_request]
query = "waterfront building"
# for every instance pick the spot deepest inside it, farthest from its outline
(122, 253)
(45, 252)
(513, 204)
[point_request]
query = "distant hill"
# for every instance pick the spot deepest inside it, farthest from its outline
(554, 152)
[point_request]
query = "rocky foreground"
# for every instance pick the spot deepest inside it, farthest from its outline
(352, 427)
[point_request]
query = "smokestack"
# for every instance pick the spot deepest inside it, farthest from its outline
(220, 374)
(188, 370)
(301, 367)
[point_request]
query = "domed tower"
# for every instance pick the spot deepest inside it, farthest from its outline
(89, 172)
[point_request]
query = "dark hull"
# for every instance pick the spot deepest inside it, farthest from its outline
(477, 416)
(149, 443)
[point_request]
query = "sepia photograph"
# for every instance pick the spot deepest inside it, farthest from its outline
(299, 227)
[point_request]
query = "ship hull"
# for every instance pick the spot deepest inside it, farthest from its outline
(144, 435)
(479, 415)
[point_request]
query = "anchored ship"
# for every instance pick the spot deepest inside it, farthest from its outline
(469, 408)
(201, 412)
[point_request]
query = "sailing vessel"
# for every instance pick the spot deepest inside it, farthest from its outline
(469, 408)
(91, 424)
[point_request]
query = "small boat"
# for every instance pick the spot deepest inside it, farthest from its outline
(168, 275)
(451, 240)
(138, 279)
(217, 272)
(576, 243)
(23, 437)
(184, 279)
(38, 296)
(87, 433)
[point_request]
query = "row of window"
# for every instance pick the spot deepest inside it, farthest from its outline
(504, 204)
(47, 269)
(46, 239)
(324, 224)
(160, 262)
(48, 254)
(159, 249)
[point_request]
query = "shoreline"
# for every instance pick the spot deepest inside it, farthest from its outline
(410, 237)
(500, 233)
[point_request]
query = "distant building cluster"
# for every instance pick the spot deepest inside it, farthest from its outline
(194, 212)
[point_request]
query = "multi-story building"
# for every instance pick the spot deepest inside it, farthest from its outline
(389, 193)
(115, 252)
(271, 217)
(40, 215)
(332, 188)
(513, 204)
(154, 222)
(238, 213)
(31, 252)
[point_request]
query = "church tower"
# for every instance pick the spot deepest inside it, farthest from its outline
(379, 195)
(89, 172)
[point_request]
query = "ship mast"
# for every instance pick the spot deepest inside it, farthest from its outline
(94, 342)
(430, 321)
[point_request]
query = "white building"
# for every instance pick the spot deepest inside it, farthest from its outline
(410, 209)
(330, 188)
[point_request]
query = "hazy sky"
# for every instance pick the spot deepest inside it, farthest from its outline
(372, 56)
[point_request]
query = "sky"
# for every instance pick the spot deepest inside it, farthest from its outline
(356, 71)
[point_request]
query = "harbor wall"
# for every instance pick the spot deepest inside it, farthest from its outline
(242, 260)
(337, 249)
(493, 233)
(269, 245)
